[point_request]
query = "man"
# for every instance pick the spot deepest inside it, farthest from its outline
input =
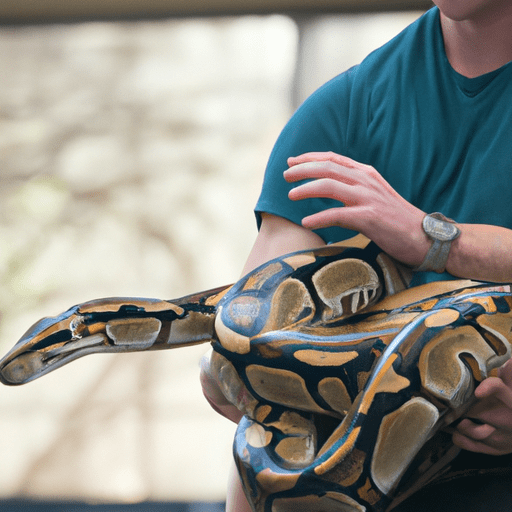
(423, 125)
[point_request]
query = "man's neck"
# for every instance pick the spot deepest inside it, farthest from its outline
(478, 46)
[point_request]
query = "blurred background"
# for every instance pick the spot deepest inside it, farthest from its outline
(132, 149)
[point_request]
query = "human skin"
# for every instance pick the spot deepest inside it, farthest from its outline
(377, 211)
(478, 39)
(477, 34)
(481, 252)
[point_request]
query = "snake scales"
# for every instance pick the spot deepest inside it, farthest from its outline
(346, 377)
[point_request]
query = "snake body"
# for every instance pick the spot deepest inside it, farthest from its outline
(347, 378)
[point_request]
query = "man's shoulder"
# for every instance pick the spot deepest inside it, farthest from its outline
(384, 64)
(410, 45)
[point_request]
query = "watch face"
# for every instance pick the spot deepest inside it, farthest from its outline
(439, 229)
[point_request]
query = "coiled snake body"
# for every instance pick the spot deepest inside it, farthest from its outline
(346, 377)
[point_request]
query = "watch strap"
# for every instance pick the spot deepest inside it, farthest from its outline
(436, 258)
(437, 255)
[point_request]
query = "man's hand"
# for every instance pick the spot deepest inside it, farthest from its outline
(213, 393)
(375, 209)
(491, 433)
(372, 206)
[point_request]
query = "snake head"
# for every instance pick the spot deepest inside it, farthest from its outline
(108, 325)
(40, 349)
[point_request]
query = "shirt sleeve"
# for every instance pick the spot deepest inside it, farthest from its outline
(318, 125)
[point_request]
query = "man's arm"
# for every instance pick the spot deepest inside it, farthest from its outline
(277, 236)
(375, 209)
(482, 252)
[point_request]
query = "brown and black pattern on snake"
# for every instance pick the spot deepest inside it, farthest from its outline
(346, 377)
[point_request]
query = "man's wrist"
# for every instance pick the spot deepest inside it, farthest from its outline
(441, 231)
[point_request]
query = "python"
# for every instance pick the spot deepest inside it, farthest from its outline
(348, 378)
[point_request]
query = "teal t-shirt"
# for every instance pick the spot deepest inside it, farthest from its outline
(443, 141)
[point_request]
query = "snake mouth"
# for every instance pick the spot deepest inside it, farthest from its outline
(27, 360)
(32, 364)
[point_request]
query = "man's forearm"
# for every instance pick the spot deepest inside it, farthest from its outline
(482, 253)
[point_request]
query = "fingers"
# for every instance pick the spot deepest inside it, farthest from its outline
(482, 438)
(331, 217)
(488, 427)
(326, 187)
(334, 177)
(368, 204)
(324, 157)
(477, 445)
(337, 177)
(354, 218)
(332, 182)
(475, 430)
(325, 165)
(505, 373)
(321, 171)
(214, 395)
(495, 387)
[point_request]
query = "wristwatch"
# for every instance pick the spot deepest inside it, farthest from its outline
(443, 232)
